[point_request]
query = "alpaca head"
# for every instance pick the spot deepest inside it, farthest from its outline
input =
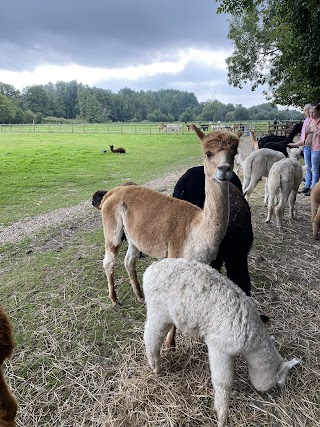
(264, 379)
(111, 147)
(219, 149)
(97, 198)
(294, 152)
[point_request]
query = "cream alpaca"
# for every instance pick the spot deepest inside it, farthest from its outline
(200, 301)
(284, 179)
(256, 166)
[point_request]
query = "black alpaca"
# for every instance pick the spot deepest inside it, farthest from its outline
(279, 143)
(282, 145)
(235, 246)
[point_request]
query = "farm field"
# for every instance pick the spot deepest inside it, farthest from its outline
(42, 172)
(80, 362)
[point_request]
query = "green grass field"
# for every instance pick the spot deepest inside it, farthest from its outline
(42, 172)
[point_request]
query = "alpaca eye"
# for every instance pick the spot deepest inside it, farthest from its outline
(208, 154)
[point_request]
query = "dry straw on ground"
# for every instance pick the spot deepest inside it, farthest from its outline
(117, 389)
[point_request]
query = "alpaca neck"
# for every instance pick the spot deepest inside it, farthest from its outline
(212, 222)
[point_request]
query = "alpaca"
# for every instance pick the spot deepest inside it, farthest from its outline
(256, 166)
(8, 403)
(315, 210)
(253, 139)
(162, 226)
(201, 302)
(279, 139)
(282, 145)
(284, 178)
(236, 244)
(117, 150)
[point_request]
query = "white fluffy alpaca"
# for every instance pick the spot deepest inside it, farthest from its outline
(284, 179)
(200, 301)
(256, 166)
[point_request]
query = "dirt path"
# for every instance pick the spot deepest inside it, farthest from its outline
(29, 227)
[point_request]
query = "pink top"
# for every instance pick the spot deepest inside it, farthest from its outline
(316, 135)
(316, 138)
(307, 120)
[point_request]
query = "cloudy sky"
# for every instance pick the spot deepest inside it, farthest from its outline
(112, 44)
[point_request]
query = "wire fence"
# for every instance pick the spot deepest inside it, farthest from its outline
(260, 128)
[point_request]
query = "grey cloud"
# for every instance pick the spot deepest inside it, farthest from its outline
(105, 33)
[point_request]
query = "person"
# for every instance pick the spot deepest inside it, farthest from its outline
(310, 139)
(275, 120)
(307, 113)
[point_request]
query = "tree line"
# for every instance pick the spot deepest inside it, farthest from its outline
(65, 101)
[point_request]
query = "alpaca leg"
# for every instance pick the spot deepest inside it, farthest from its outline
(266, 192)
(316, 224)
(130, 261)
(109, 261)
(154, 333)
(8, 403)
(222, 376)
(279, 211)
(171, 338)
(292, 201)
(271, 203)
(247, 191)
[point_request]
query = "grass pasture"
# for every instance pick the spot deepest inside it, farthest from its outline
(42, 172)
(79, 362)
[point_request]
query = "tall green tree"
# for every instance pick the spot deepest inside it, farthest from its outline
(275, 43)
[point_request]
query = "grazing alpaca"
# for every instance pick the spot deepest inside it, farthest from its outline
(201, 302)
(8, 404)
(117, 150)
(256, 166)
(284, 179)
(315, 210)
(162, 226)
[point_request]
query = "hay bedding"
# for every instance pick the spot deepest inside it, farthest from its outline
(121, 391)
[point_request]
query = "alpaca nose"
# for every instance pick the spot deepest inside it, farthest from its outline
(224, 169)
(224, 172)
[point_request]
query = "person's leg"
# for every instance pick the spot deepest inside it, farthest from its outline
(315, 163)
(307, 162)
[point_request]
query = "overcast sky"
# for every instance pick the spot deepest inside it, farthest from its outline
(112, 44)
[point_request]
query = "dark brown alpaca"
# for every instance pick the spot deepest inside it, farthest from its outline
(117, 150)
(8, 403)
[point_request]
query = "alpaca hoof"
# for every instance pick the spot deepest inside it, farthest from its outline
(116, 303)
(141, 301)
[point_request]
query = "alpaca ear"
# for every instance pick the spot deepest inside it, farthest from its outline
(200, 134)
(288, 150)
(283, 370)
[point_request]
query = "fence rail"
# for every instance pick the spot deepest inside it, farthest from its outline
(260, 128)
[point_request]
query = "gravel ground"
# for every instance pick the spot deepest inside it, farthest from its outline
(29, 227)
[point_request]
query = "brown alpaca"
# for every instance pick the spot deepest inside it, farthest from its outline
(164, 227)
(254, 141)
(315, 210)
(8, 403)
(117, 150)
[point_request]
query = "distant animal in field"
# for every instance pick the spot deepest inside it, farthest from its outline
(117, 150)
